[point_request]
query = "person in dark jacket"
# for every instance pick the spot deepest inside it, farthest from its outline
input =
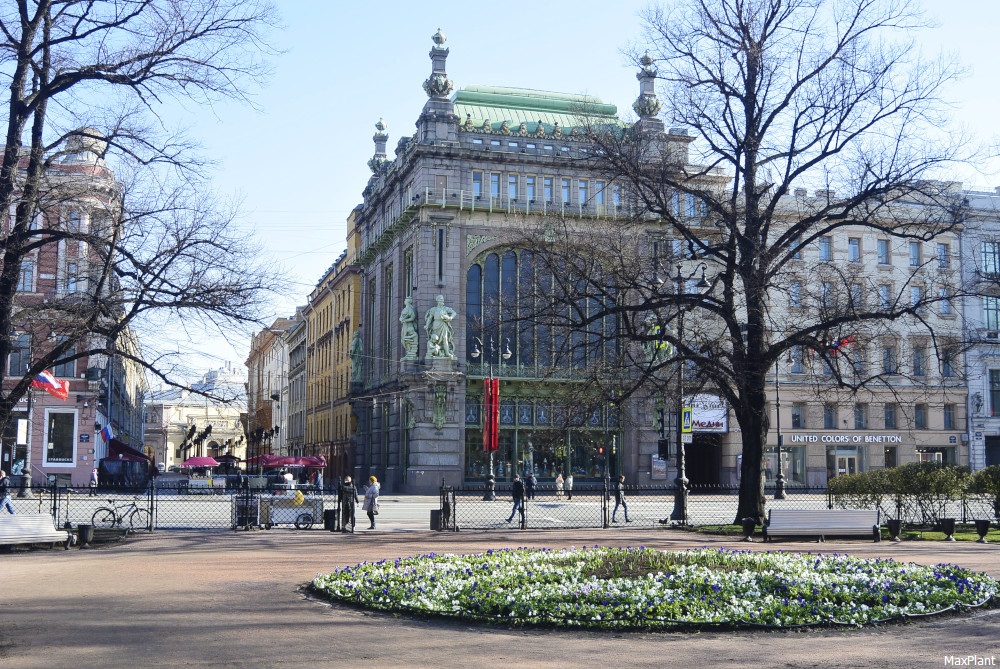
(620, 499)
(529, 485)
(517, 492)
(348, 497)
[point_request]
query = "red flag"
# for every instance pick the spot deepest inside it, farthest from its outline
(487, 415)
(495, 420)
(50, 384)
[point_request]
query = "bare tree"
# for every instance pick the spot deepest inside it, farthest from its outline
(89, 86)
(781, 96)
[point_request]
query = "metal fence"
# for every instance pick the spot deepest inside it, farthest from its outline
(592, 506)
(586, 506)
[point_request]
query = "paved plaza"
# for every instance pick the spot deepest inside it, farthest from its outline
(223, 598)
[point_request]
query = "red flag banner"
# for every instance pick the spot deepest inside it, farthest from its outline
(487, 415)
(495, 418)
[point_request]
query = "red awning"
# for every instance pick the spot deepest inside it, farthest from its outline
(119, 450)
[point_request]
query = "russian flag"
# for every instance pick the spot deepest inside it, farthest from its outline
(52, 385)
(107, 434)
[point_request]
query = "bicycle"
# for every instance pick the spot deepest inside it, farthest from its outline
(116, 515)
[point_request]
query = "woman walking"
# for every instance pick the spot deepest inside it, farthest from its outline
(371, 500)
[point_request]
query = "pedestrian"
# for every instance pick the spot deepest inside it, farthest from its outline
(371, 500)
(5, 493)
(620, 499)
(560, 485)
(569, 487)
(529, 485)
(289, 479)
(93, 482)
(348, 498)
(517, 493)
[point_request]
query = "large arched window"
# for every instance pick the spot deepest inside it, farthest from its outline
(503, 289)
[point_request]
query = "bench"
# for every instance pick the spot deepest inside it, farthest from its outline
(30, 528)
(822, 523)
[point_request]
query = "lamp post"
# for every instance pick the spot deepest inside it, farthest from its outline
(491, 403)
(679, 513)
(779, 482)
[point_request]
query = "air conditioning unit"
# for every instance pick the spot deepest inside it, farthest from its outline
(992, 334)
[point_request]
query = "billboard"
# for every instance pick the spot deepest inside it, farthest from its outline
(709, 413)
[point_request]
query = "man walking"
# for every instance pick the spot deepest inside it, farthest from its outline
(348, 503)
(529, 485)
(5, 492)
(517, 492)
(620, 499)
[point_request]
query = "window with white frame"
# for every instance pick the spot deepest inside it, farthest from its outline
(797, 356)
(860, 416)
(889, 416)
(854, 249)
(548, 188)
(60, 436)
(826, 248)
(890, 359)
(795, 293)
(884, 257)
(26, 277)
(798, 416)
(529, 185)
(915, 254)
(944, 303)
(919, 360)
(991, 312)
(512, 185)
(583, 191)
(991, 259)
(566, 186)
(884, 297)
(943, 255)
(830, 416)
(949, 416)
(495, 185)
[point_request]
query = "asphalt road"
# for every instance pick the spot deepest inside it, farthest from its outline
(235, 599)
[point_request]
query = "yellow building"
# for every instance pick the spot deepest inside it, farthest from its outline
(333, 306)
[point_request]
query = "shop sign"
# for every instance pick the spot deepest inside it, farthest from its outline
(709, 413)
(846, 438)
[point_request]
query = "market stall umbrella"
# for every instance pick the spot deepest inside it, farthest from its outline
(199, 461)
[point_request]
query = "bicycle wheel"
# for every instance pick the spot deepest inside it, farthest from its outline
(104, 518)
(139, 519)
(303, 521)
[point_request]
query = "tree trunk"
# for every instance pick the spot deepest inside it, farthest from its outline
(754, 425)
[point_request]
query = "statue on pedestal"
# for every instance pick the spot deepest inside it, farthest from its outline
(437, 323)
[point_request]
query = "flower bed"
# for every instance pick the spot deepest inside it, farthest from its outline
(626, 588)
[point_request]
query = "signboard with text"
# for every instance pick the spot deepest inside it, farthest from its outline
(710, 413)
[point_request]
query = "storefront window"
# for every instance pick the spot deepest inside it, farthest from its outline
(843, 461)
(59, 437)
(792, 464)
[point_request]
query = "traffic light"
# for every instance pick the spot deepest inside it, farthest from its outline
(600, 450)
(663, 449)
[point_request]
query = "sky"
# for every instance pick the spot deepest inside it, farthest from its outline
(298, 159)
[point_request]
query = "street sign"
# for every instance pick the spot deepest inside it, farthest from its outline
(687, 438)
(686, 419)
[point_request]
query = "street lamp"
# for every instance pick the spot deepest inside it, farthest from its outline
(491, 407)
(679, 513)
(779, 482)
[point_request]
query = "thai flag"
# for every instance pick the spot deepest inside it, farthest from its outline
(52, 385)
(107, 434)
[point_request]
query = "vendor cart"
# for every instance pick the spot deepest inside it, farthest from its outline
(290, 507)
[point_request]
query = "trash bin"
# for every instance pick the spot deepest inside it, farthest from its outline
(435, 519)
(84, 534)
(330, 520)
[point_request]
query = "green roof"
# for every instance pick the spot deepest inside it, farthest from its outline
(523, 105)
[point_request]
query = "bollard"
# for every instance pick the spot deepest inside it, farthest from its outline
(779, 486)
